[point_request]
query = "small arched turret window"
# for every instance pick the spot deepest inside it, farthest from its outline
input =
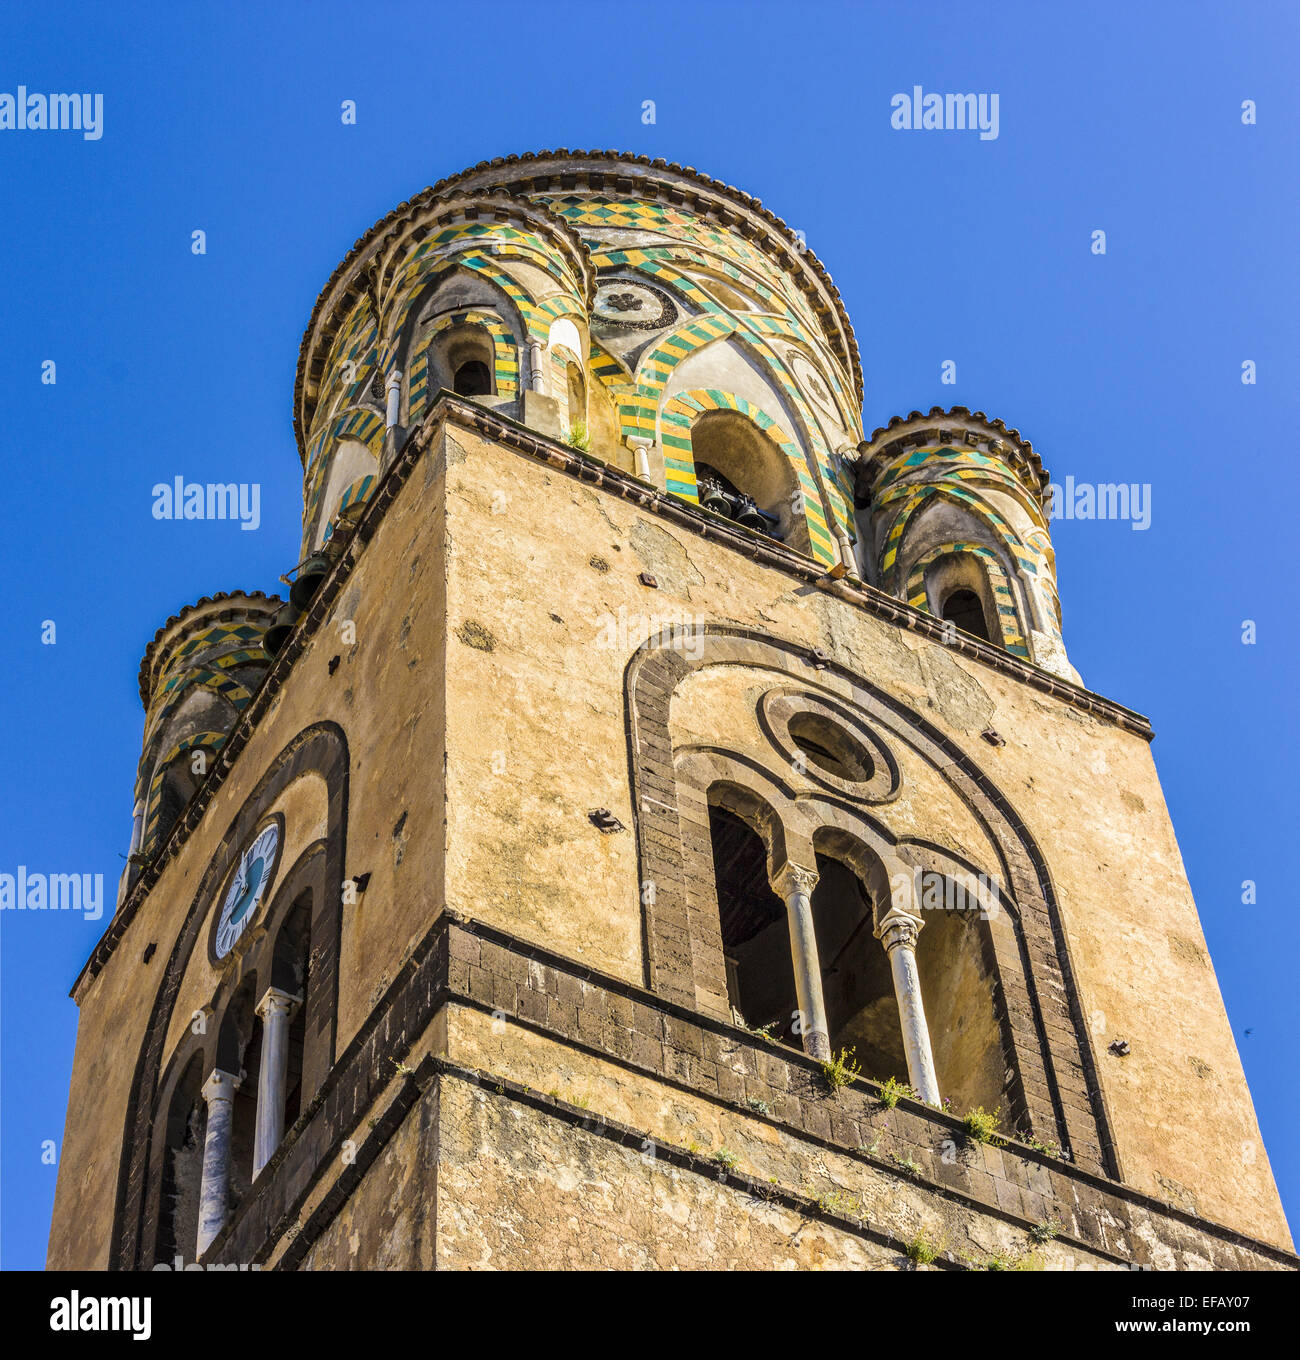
(473, 379)
(965, 609)
(967, 589)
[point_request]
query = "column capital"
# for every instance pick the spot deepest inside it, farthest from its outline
(277, 1002)
(221, 1085)
(791, 878)
(897, 927)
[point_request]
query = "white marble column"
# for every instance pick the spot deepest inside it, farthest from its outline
(795, 885)
(536, 379)
(276, 1009)
(847, 555)
(898, 931)
(641, 453)
(137, 828)
(393, 388)
(214, 1190)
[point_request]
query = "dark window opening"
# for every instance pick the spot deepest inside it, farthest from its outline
(831, 748)
(290, 970)
(473, 379)
(857, 985)
(239, 1050)
(182, 1172)
(755, 936)
(965, 609)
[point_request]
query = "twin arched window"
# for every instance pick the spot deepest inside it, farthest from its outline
(260, 1044)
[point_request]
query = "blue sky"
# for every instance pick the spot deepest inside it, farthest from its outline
(1124, 367)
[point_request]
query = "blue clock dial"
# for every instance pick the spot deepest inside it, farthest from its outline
(247, 888)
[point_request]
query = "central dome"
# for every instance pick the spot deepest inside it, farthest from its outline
(660, 321)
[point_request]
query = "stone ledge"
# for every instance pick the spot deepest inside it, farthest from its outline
(1089, 1201)
(994, 1182)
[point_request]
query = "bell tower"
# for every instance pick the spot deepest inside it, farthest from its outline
(661, 827)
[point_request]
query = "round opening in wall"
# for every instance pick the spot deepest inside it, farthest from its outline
(831, 748)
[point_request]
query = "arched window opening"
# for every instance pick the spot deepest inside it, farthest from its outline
(960, 589)
(959, 983)
(178, 786)
(828, 746)
(182, 1171)
(239, 1050)
(290, 969)
(461, 358)
(755, 933)
(965, 609)
(473, 379)
(743, 475)
(857, 984)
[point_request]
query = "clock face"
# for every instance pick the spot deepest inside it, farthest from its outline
(247, 888)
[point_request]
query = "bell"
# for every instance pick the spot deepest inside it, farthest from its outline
(282, 624)
(307, 582)
(712, 497)
(749, 515)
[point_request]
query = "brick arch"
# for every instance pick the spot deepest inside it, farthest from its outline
(211, 742)
(467, 252)
(677, 420)
(1058, 1069)
(1009, 627)
(320, 749)
(912, 498)
(504, 353)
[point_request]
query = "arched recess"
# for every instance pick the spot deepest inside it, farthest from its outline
(450, 343)
(361, 427)
(911, 502)
(181, 1155)
(657, 375)
(761, 454)
(970, 951)
(317, 877)
(974, 568)
(683, 962)
(351, 463)
(970, 955)
(176, 778)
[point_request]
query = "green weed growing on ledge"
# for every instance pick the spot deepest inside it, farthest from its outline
(841, 1070)
(892, 1091)
(579, 437)
(921, 1251)
(981, 1126)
